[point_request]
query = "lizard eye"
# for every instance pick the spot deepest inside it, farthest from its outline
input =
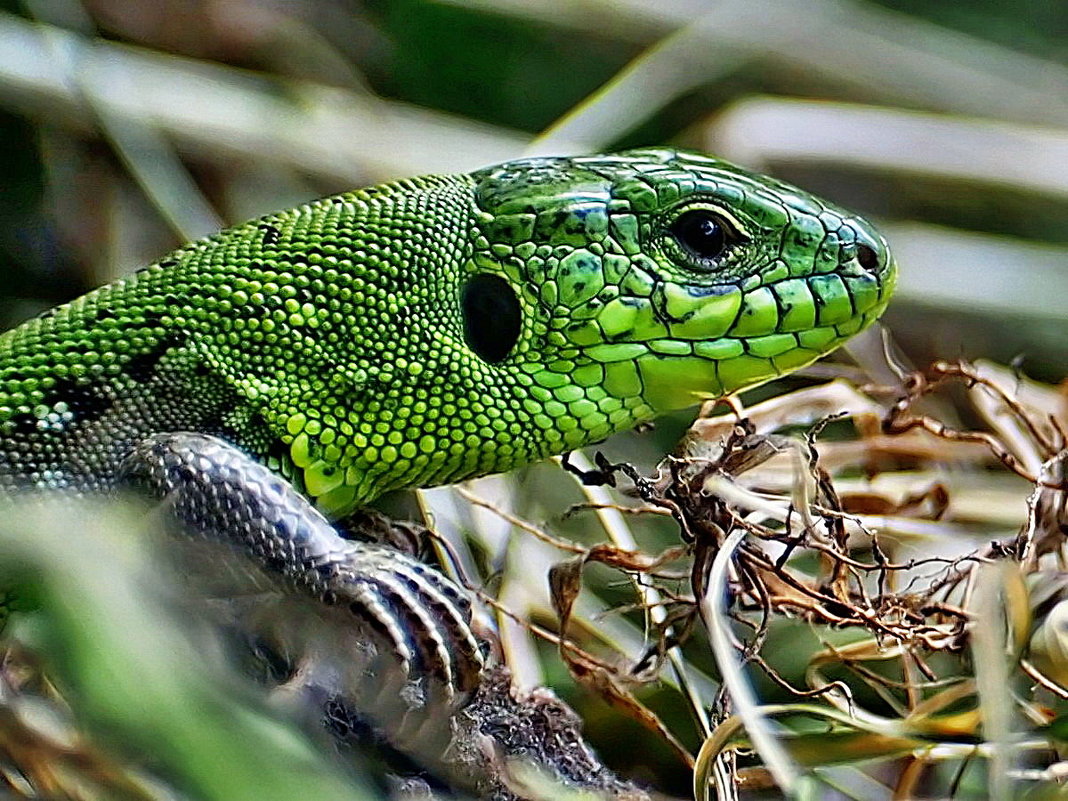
(492, 317)
(703, 234)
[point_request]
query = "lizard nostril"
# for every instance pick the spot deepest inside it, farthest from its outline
(868, 258)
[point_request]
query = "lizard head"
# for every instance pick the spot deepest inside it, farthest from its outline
(537, 306)
(631, 284)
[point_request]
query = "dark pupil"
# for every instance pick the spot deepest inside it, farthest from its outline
(701, 233)
(492, 317)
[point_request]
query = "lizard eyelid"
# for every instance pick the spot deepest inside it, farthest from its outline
(704, 236)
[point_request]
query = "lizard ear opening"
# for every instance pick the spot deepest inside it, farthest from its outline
(492, 317)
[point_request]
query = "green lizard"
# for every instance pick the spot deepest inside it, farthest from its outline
(423, 332)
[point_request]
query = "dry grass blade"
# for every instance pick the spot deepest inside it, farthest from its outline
(842, 507)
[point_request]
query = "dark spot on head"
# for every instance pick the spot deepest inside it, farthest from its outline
(222, 429)
(276, 448)
(271, 235)
(715, 290)
(84, 400)
(24, 425)
(142, 366)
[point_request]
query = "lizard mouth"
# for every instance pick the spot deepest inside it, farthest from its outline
(735, 340)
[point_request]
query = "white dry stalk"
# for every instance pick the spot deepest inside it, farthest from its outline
(992, 679)
(713, 606)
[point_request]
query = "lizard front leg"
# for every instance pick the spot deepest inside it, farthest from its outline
(411, 626)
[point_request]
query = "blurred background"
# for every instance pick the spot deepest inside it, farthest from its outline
(129, 127)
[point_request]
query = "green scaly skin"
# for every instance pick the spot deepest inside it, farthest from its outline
(418, 333)
(333, 343)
